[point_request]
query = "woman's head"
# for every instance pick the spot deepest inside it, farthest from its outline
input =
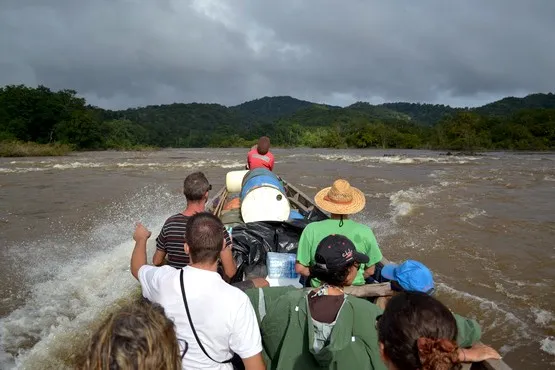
(138, 336)
(416, 331)
(337, 261)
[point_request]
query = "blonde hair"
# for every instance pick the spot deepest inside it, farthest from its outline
(138, 336)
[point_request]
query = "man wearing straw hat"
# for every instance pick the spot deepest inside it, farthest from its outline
(340, 200)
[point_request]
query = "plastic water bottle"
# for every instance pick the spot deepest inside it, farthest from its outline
(281, 265)
(292, 273)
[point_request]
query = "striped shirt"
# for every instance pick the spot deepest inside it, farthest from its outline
(171, 240)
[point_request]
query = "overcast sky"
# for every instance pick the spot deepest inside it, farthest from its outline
(123, 53)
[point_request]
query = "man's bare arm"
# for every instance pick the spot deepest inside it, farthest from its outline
(255, 362)
(477, 353)
(138, 258)
(302, 269)
(228, 263)
(159, 257)
(369, 271)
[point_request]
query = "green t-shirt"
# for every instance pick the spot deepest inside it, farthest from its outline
(361, 235)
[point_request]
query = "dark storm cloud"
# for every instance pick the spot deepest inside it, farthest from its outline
(122, 53)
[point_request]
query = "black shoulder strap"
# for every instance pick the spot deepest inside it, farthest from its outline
(191, 321)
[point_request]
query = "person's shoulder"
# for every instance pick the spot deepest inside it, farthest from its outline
(227, 289)
(234, 296)
(281, 291)
(361, 305)
(166, 271)
(157, 273)
(295, 294)
(321, 225)
(360, 227)
(175, 217)
(364, 316)
(318, 224)
(311, 228)
(284, 296)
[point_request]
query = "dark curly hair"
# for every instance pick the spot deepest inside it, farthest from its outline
(419, 332)
(332, 277)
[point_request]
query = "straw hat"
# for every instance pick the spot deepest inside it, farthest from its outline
(341, 198)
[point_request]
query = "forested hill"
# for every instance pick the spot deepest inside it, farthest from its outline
(269, 109)
(511, 105)
(426, 114)
(44, 116)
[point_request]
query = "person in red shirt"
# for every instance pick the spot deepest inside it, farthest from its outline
(260, 156)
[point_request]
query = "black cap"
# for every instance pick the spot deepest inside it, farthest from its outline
(337, 251)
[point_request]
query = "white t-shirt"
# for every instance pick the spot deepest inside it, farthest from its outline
(222, 314)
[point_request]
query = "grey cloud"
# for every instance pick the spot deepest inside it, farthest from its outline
(126, 53)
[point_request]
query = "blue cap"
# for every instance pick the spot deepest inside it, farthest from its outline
(411, 276)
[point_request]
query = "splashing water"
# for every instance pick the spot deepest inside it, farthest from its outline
(52, 325)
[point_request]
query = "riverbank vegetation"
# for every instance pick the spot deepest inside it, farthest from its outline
(54, 122)
(14, 148)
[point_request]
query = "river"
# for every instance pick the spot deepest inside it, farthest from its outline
(485, 225)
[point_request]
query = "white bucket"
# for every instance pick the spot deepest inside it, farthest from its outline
(233, 180)
(265, 203)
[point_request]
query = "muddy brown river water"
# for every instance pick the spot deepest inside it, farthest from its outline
(485, 225)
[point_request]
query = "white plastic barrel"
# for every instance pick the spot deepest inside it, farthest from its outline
(265, 203)
(233, 180)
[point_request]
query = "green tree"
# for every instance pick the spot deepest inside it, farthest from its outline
(45, 116)
(81, 129)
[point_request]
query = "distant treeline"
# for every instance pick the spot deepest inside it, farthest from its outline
(43, 116)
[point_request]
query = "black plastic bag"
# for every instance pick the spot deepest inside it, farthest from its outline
(252, 241)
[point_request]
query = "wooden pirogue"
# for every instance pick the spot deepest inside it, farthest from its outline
(301, 203)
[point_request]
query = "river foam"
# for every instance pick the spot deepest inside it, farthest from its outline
(397, 159)
(548, 345)
(61, 310)
(401, 159)
(403, 202)
(75, 165)
(495, 319)
(65, 301)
